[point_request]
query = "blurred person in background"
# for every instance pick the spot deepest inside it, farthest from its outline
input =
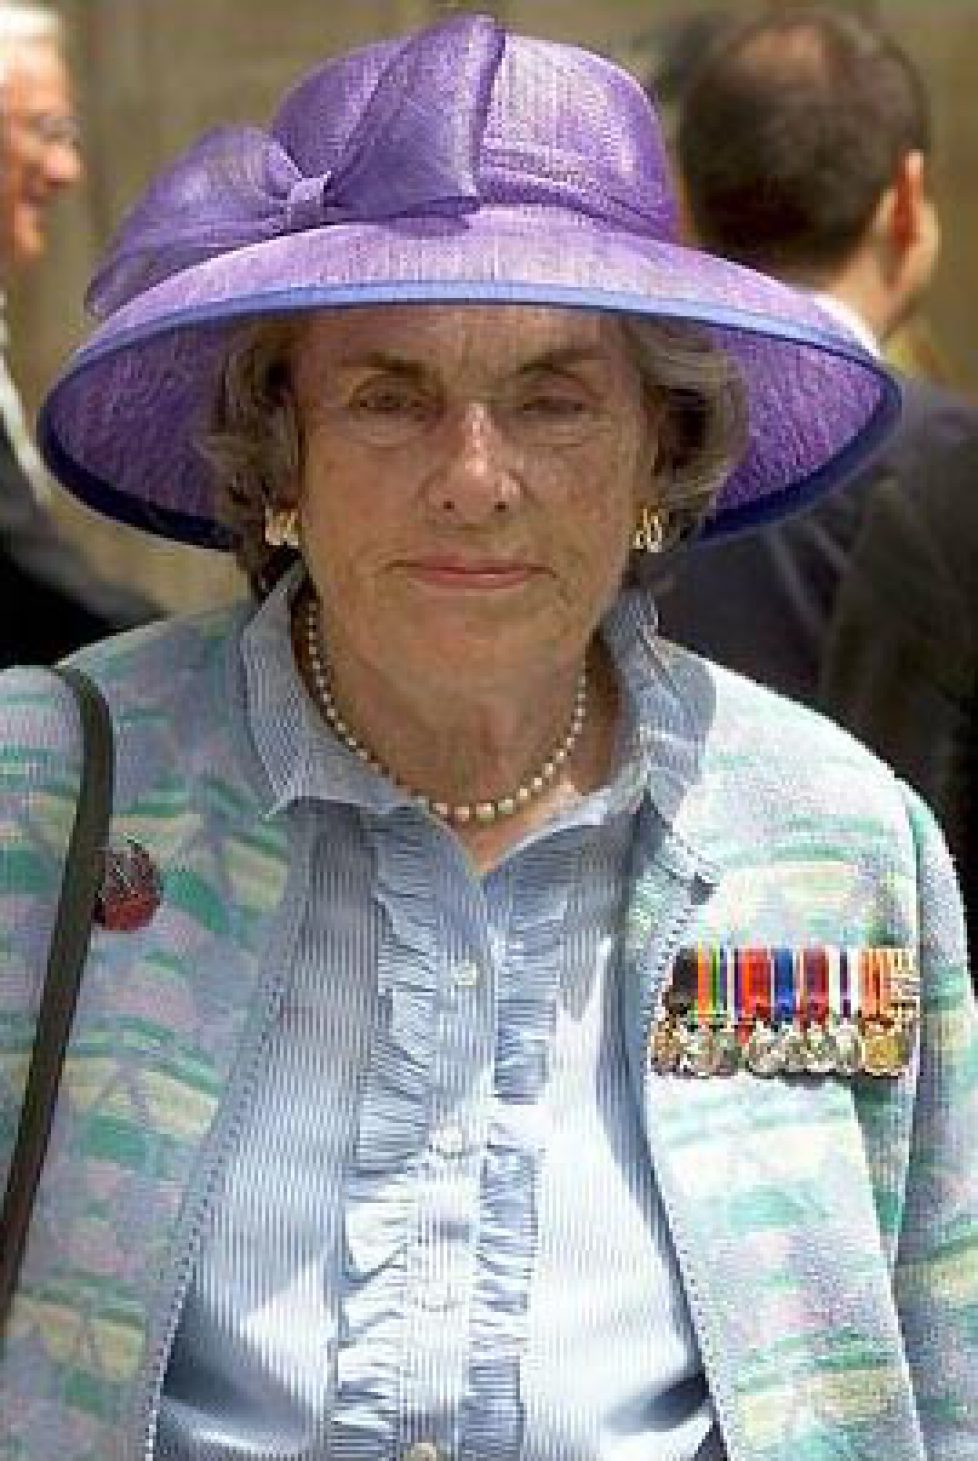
(902, 657)
(804, 145)
(678, 46)
(51, 600)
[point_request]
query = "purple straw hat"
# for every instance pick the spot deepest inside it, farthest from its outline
(461, 164)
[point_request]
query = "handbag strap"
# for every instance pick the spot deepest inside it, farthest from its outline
(66, 959)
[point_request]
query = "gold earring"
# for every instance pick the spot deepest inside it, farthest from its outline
(650, 534)
(282, 527)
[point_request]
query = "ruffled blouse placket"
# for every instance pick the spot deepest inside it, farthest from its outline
(439, 1208)
(411, 1199)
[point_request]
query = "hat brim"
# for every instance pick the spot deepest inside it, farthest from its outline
(119, 426)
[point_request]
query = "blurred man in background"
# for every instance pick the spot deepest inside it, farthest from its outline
(50, 600)
(804, 144)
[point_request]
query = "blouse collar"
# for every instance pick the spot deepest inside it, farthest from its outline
(666, 699)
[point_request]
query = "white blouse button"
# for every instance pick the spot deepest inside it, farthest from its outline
(438, 1296)
(449, 1141)
(423, 1451)
(466, 975)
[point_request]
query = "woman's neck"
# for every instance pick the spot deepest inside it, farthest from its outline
(465, 745)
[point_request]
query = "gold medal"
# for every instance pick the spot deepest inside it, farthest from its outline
(883, 1050)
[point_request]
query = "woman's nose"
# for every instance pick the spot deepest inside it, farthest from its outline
(63, 165)
(479, 476)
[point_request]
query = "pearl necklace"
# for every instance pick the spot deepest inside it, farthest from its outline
(464, 812)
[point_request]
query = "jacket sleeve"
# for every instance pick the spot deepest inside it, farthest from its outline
(937, 1260)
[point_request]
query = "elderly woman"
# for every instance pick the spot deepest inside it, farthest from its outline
(531, 1042)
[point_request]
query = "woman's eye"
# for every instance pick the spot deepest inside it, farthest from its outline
(390, 412)
(554, 405)
(560, 418)
(390, 401)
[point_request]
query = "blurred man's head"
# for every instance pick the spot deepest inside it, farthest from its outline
(39, 154)
(803, 143)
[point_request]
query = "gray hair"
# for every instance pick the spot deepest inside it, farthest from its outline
(704, 428)
(253, 442)
(27, 24)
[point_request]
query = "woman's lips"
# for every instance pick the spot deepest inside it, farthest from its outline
(449, 573)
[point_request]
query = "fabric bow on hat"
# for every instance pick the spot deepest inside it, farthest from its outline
(238, 185)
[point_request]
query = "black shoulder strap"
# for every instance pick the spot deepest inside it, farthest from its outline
(66, 960)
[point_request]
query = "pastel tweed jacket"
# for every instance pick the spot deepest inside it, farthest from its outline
(826, 1229)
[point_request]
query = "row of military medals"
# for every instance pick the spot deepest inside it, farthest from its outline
(778, 1011)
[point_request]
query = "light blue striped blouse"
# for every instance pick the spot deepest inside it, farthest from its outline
(439, 1235)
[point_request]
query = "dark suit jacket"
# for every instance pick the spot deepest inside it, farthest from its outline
(51, 601)
(866, 607)
(901, 658)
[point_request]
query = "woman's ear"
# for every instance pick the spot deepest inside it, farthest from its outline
(656, 416)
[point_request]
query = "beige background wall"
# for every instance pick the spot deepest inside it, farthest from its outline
(152, 74)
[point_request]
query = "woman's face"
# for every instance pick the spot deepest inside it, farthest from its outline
(469, 484)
